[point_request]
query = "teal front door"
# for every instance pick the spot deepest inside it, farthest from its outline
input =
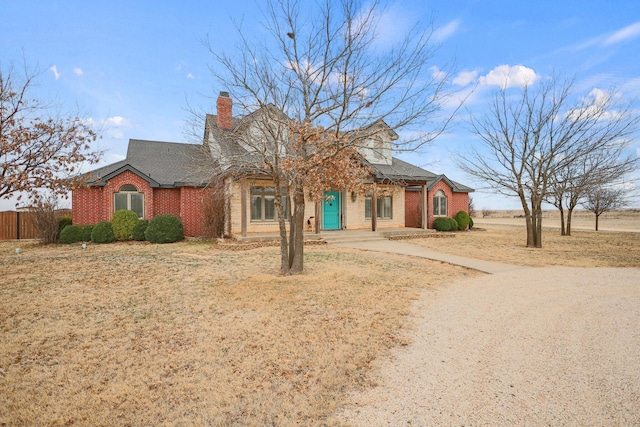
(331, 213)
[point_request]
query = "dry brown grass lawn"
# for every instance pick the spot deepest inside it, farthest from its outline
(507, 243)
(186, 334)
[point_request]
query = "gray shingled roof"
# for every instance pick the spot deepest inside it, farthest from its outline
(402, 171)
(397, 171)
(163, 164)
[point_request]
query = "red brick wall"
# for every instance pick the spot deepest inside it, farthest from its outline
(113, 186)
(166, 201)
(456, 202)
(191, 206)
(87, 206)
(94, 204)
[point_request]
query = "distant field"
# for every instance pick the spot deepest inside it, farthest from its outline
(628, 219)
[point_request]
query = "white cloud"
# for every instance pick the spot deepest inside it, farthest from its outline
(508, 76)
(436, 73)
(443, 33)
(603, 40)
(78, 71)
(56, 74)
(597, 103)
(114, 126)
(627, 33)
(190, 76)
(465, 77)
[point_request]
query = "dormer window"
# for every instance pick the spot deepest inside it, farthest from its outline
(130, 199)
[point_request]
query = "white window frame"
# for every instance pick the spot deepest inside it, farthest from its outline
(129, 192)
(440, 204)
(380, 207)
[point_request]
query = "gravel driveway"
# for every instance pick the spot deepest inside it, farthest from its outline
(537, 346)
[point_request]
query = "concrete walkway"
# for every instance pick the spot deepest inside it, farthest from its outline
(399, 247)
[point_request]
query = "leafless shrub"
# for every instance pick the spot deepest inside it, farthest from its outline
(46, 218)
(487, 213)
(214, 208)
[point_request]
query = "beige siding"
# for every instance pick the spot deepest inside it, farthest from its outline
(355, 219)
(255, 226)
(353, 211)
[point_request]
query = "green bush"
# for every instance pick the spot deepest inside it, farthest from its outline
(63, 222)
(442, 224)
(123, 222)
(470, 223)
(463, 220)
(139, 229)
(71, 234)
(86, 233)
(103, 233)
(164, 229)
(453, 224)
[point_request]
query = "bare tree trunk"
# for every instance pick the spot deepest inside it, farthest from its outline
(539, 227)
(569, 215)
(534, 225)
(296, 243)
(597, 219)
(530, 220)
(563, 231)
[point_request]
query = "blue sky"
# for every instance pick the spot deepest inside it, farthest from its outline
(132, 66)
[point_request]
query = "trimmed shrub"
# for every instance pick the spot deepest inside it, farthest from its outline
(86, 233)
(71, 234)
(453, 224)
(63, 222)
(123, 222)
(470, 223)
(103, 233)
(442, 224)
(164, 228)
(139, 229)
(463, 220)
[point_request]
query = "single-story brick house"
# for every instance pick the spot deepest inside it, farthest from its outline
(162, 177)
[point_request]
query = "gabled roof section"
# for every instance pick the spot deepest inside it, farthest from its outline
(400, 170)
(162, 164)
(456, 187)
(378, 126)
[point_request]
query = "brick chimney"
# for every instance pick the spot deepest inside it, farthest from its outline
(223, 105)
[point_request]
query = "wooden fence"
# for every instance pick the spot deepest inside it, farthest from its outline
(17, 225)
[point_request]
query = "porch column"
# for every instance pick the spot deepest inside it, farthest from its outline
(317, 216)
(243, 207)
(424, 207)
(374, 208)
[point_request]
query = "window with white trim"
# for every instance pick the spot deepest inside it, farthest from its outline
(263, 206)
(128, 198)
(440, 204)
(384, 207)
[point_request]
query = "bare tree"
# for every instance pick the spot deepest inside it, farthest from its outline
(602, 167)
(322, 84)
(471, 207)
(38, 150)
(602, 199)
(530, 140)
(46, 216)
